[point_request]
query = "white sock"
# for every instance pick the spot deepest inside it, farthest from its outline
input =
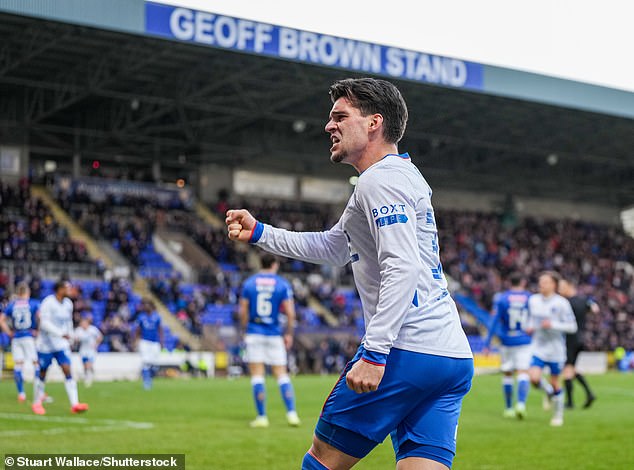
(71, 391)
(38, 390)
(558, 401)
(88, 378)
(546, 386)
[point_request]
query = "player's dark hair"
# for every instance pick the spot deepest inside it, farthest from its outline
(268, 260)
(516, 279)
(569, 280)
(60, 284)
(553, 275)
(372, 96)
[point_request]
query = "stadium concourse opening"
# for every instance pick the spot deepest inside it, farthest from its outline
(139, 104)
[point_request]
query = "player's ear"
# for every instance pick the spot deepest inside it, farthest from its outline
(375, 122)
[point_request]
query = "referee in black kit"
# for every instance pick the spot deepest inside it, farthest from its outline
(581, 306)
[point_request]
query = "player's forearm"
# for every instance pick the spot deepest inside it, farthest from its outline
(564, 327)
(491, 333)
(329, 247)
(47, 326)
(3, 325)
(290, 324)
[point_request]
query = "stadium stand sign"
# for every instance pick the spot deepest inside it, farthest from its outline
(242, 35)
(100, 189)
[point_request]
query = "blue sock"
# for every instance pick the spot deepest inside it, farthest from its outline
(259, 395)
(146, 373)
(19, 381)
(507, 385)
(522, 388)
(286, 390)
(311, 463)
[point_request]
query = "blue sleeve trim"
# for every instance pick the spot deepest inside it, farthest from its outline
(373, 357)
(256, 234)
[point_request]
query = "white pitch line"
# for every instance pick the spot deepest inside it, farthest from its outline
(55, 431)
(98, 425)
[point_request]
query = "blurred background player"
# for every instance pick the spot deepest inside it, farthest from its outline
(55, 330)
(150, 338)
(263, 296)
(581, 306)
(550, 317)
(511, 316)
(23, 315)
(89, 337)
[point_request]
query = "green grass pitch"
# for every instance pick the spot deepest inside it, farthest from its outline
(208, 421)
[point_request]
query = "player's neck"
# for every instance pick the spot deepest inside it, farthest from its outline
(373, 153)
(60, 298)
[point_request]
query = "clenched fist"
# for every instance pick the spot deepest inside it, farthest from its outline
(240, 224)
(364, 377)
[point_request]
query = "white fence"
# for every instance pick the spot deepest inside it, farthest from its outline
(125, 366)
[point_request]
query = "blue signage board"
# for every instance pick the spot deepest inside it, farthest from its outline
(225, 32)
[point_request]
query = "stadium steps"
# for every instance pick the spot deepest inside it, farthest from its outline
(189, 257)
(212, 219)
(142, 288)
(74, 230)
(94, 250)
(322, 311)
(471, 306)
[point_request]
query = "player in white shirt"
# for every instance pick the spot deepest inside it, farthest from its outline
(89, 337)
(53, 342)
(414, 365)
(550, 317)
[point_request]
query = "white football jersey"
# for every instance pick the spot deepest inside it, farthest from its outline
(549, 344)
(388, 232)
(56, 320)
(87, 339)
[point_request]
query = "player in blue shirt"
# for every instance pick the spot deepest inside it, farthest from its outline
(263, 296)
(23, 314)
(150, 335)
(509, 323)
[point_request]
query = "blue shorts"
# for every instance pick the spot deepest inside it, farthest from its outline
(418, 402)
(555, 367)
(46, 359)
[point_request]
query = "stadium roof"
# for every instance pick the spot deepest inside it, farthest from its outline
(67, 88)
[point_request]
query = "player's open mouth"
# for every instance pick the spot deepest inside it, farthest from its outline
(334, 140)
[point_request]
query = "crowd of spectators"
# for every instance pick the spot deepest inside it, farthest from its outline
(28, 231)
(479, 250)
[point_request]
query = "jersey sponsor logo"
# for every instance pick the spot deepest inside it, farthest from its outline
(389, 214)
(388, 209)
(391, 220)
